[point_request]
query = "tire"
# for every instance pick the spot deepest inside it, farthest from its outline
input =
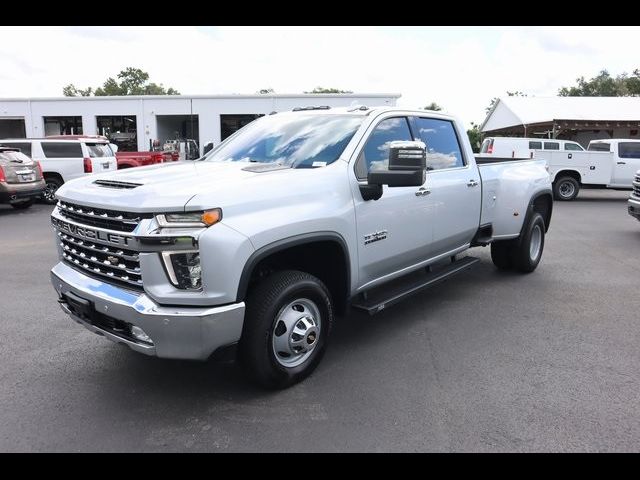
(23, 205)
(565, 188)
(49, 194)
(501, 254)
(275, 308)
(526, 254)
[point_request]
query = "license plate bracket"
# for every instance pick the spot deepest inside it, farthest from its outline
(79, 306)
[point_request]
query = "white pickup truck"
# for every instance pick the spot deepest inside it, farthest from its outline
(281, 227)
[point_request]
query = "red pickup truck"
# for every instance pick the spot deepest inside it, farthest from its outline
(139, 159)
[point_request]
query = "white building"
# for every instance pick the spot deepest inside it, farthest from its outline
(144, 119)
(571, 118)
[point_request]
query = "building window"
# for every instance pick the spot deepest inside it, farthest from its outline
(121, 130)
(229, 124)
(62, 126)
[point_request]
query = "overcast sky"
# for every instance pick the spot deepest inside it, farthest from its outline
(460, 68)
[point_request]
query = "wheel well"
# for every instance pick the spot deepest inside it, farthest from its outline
(325, 259)
(53, 175)
(569, 173)
(543, 204)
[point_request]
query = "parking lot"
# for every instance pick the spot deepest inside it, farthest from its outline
(485, 362)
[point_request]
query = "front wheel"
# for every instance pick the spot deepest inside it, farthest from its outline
(566, 188)
(287, 324)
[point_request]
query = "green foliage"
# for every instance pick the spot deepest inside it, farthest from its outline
(133, 81)
(433, 106)
(328, 90)
(475, 137)
(604, 85)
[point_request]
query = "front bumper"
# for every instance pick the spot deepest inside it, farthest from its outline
(634, 208)
(10, 192)
(177, 332)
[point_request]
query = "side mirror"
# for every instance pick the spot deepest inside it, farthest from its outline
(407, 166)
(207, 148)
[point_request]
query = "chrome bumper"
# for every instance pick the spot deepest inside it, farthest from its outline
(177, 332)
(633, 207)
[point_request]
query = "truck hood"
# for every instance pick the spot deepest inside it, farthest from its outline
(169, 186)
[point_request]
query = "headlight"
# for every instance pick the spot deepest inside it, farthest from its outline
(184, 269)
(190, 219)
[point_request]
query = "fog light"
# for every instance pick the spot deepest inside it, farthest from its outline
(184, 269)
(139, 334)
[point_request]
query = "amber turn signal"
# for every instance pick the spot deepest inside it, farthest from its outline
(211, 217)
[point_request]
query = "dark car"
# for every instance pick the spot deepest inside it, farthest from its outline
(21, 180)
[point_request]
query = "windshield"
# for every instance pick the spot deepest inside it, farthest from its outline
(299, 141)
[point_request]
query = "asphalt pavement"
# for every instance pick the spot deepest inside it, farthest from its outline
(487, 361)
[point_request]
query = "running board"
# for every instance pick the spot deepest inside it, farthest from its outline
(388, 294)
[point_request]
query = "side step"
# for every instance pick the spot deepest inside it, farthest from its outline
(388, 294)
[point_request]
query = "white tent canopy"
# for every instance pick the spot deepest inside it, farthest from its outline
(515, 111)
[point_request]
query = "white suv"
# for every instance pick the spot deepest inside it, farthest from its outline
(65, 157)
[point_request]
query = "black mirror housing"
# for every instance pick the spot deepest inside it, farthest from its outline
(407, 166)
(397, 178)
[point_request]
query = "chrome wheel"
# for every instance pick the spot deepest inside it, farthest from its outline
(296, 332)
(535, 243)
(49, 193)
(567, 189)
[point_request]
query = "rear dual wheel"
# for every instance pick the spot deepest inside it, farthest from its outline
(523, 253)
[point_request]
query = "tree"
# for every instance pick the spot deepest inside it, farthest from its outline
(133, 81)
(604, 85)
(265, 91)
(475, 137)
(328, 90)
(433, 106)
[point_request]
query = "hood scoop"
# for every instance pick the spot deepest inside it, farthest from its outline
(116, 184)
(266, 167)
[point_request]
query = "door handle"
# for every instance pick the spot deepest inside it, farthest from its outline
(570, 156)
(622, 163)
(472, 183)
(423, 192)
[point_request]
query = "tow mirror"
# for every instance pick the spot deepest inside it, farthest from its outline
(208, 147)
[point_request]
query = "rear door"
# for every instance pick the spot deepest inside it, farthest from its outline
(101, 156)
(63, 157)
(627, 163)
(454, 185)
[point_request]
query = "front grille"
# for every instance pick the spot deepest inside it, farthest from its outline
(636, 186)
(115, 184)
(101, 218)
(118, 265)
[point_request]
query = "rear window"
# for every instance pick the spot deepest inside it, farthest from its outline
(551, 146)
(97, 150)
(9, 156)
(599, 147)
(485, 145)
(629, 149)
(61, 149)
(25, 147)
(535, 145)
(573, 146)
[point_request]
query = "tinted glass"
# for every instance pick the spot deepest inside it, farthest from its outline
(298, 140)
(443, 149)
(629, 149)
(375, 154)
(535, 145)
(25, 147)
(573, 146)
(599, 147)
(61, 150)
(97, 150)
(551, 146)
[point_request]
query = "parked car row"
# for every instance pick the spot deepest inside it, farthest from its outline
(61, 158)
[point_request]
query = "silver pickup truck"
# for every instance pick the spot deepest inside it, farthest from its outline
(261, 243)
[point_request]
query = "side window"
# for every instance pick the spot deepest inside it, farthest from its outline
(443, 149)
(599, 147)
(573, 146)
(535, 145)
(551, 146)
(61, 149)
(25, 147)
(629, 149)
(375, 154)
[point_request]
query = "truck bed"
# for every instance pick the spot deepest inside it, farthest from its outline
(504, 200)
